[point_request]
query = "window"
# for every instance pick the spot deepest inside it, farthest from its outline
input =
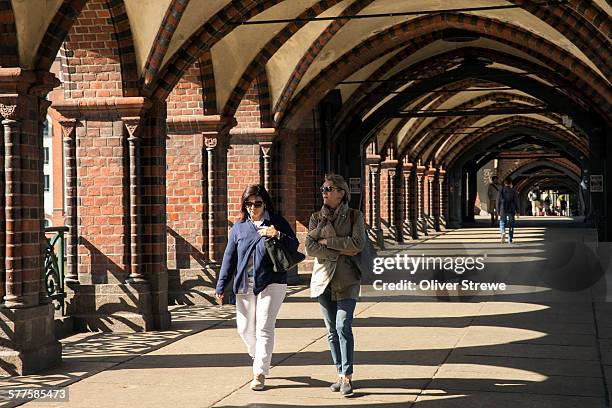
(46, 154)
(47, 188)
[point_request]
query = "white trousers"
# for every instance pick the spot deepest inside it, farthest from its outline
(255, 320)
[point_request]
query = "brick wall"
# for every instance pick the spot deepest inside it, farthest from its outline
(248, 113)
(102, 207)
(243, 168)
(186, 97)
(90, 55)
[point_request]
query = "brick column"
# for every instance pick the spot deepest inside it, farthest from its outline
(70, 219)
(436, 199)
(375, 183)
(431, 201)
(388, 197)
(421, 217)
(409, 200)
(120, 173)
(443, 198)
(27, 342)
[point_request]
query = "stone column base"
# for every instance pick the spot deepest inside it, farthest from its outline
(112, 308)
(27, 340)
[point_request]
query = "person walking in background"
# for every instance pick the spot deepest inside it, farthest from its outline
(508, 205)
(259, 290)
(533, 199)
(335, 235)
(563, 206)
(492, 191)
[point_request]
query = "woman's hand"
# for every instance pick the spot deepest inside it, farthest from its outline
(268, 232)
(219, 297)
(322, 241)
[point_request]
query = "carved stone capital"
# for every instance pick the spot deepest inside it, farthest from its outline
(210, 142)
(266, 147)
(68, 128)
(132, 124)
(8, 111)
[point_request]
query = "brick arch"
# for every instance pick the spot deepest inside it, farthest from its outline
(452, 153)
(9, 52)
(125, 46)
(425, 30)
(258, 64)
(56, 33)
(425, 136)
(311, 54)
(429, 67)
(593, 43)
(203, 40)
(563, 163)
(584, 23)
(97, 56)
(166, 30)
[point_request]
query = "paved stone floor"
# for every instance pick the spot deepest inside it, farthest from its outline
(542, 347)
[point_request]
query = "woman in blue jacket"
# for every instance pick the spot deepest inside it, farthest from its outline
(259, 290)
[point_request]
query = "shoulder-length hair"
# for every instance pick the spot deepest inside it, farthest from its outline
(255, 190)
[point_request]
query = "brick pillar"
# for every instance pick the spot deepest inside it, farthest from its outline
(421, 217)
(443, 198)
(27, 341)
(70, 219)
(375, 182)
(388, 185)
(431, 207)
(436, 199)
(121, 213)
(408, 200)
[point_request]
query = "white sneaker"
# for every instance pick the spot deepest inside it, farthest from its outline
(258, 382)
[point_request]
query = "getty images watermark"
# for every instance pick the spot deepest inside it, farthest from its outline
(433, 264)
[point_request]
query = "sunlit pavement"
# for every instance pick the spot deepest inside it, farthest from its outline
(542, 347)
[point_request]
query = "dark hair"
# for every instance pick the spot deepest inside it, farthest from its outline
(255, 190)
(508, 180)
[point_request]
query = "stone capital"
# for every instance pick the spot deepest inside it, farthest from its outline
(68, 128)
(210, 142)
(266, 147)
(8, 112)
(132, 124)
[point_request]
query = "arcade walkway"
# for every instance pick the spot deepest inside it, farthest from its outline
(529, 348)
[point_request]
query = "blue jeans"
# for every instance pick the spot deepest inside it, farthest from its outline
(338, 318)
(507, 219)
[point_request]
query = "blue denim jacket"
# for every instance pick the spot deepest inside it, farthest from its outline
(243, 241)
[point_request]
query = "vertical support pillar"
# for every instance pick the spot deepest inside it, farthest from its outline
(70, 218)
(431, 206)
(408, 200)
(421, 217)
(375, 176)
(132, 125)
(211, 144)
(13, 297)
(442, 198)
(436, 199)
(266, 148)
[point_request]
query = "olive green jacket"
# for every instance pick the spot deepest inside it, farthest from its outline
(331, 266)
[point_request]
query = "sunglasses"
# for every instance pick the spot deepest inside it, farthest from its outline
(329, 189)
(256, 204)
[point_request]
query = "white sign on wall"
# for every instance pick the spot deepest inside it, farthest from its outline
(597, 183)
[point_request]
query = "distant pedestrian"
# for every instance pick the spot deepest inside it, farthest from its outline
(547, 205)
(563, 206)
(492, 191)
(508, 204)
(533, 199)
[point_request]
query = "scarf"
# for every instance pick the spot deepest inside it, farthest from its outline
(325, 226)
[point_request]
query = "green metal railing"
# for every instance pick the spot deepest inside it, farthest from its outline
(55, 247)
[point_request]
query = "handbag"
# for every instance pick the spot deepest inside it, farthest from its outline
(281, 257)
